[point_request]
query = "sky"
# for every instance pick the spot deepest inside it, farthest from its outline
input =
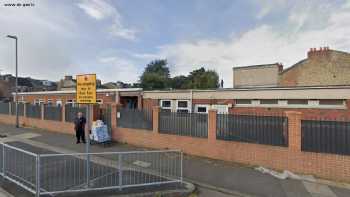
(116, 39)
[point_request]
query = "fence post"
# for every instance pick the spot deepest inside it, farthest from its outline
(294, 130)
(24, 110)
(120, 171)
(63, 113)
(114, 112)
(37, 193)
(139, 102)
(42, 106)
(155, 118)
(3, 160)
(212, 114)
(10, 108)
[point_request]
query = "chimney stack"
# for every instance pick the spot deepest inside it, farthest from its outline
(280, 66)
(318, 53)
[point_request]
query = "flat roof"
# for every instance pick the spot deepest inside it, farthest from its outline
(257, 89)
(256, 66)
(73, 91)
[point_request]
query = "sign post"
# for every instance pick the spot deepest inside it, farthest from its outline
(86, 94)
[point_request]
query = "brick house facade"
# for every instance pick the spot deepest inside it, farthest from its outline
(322, 67)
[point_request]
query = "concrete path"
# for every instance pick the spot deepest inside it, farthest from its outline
(214, 178)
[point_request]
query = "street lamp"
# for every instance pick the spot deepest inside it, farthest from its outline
(16, 96)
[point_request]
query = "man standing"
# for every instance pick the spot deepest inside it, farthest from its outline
(79, 126)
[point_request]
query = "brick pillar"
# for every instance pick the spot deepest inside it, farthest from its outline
(155, 114)
(114, 115)
(139, 102)
(117, 114)
(63, 113)
(212, 125)
(294, 130)
(42, 111)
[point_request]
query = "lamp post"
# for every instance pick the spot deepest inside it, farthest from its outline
(16, 96)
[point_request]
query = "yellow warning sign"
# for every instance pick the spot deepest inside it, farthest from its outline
(86, 89)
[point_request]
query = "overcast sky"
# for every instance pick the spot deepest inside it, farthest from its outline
(116, 39)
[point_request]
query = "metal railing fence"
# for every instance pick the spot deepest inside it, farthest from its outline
(71, 112)
(106, 117)
(53, 113)
(33, 111)
(326, 136)
(259, 129)
(135, 118)
(186, 124)
(4, 108)
(20, 109)
(43, 174)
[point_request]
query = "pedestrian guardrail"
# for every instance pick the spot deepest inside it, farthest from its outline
(48, 174)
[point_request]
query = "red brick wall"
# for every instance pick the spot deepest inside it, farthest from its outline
(64, 97)
(149, 103)
(330, 166)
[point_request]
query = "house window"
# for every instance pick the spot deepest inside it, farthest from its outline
(69, 102)
(269, 102)
(49, 101)
(243, 102)
(165, 105)
(202, 109)
(41, 101)
(59, 102)
(183, 106)
(36, 102)
(297, 102)
(99, 101)
(331, 102)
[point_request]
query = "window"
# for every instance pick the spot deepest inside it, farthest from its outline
(69, 102)
(165, 105)
(297, 102)
(201, 108)
(331, 102)
(41, 101)
(269, 102)
(36, 102)
(243, 102)
(183, 106)
(49, 101)
(59, 102)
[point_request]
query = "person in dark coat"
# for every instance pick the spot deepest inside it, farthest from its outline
(79, 127)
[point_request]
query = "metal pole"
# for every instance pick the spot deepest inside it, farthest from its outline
(17, 120)
(3, 160)
(120, 171)
(87, 145)
(37, 193)
(181, 169)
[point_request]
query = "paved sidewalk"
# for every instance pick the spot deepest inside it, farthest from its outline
(213, 177)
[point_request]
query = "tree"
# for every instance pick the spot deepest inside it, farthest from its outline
(179, 82)
(155, 76)
(203, 79)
